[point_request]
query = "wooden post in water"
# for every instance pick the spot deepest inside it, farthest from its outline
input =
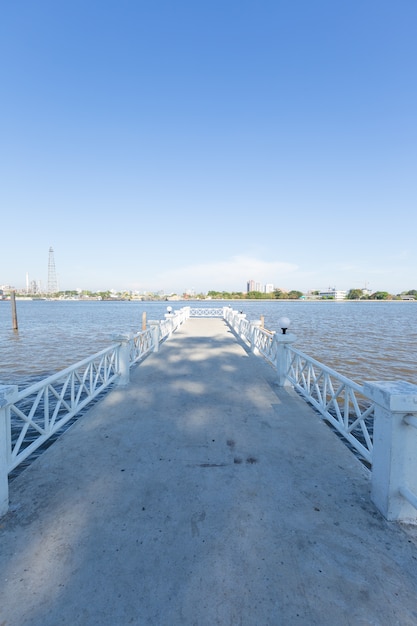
(144, 320)
(14, 314)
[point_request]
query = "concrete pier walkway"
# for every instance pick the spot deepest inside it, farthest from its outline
(202, 494)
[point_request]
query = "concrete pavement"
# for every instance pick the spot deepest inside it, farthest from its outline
(202, 494)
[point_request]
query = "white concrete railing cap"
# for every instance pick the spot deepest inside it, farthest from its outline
(7, 394)
(399, 396)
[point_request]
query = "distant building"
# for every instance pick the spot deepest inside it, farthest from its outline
(34, 287)
(336, 294)
(253, 285)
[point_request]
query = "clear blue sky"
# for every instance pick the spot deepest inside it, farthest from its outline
(196, 144)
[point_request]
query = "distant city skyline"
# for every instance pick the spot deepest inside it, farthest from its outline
(33, 285)
(38, 286)
(193, 146)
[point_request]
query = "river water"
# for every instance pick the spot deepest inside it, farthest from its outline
(363, 340)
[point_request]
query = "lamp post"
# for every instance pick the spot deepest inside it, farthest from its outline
(283, 340)
(284, 323)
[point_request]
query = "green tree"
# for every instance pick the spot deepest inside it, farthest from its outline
(279, 294)
(354, 294)
(219, 295)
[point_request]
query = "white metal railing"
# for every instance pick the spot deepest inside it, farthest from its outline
(42, 409)
(140, 345)
(206, 311)
(35, 414)
(339, 400)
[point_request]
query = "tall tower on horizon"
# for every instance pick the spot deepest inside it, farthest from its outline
(52, 279)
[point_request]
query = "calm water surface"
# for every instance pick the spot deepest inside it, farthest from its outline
(362, 340)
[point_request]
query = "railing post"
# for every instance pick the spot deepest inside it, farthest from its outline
(170, 324)
(155, 334)
(227, 313)
(241, 317)
(254, 326)
(283, 357)
(124, 359)
(394, 457)
(7, 396)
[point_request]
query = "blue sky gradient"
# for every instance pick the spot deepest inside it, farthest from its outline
(174, 145)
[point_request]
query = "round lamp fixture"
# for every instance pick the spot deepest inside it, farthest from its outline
(284, 323)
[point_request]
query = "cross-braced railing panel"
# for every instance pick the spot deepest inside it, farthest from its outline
(42, 409)
(206, 312)
(140, 345)
(339, 400)
(38, 412)
(171, 322)
(166, 327)
(264, 342)
(244, 328)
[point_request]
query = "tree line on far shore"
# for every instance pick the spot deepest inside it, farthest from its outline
(279, 294)
(276, 294)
